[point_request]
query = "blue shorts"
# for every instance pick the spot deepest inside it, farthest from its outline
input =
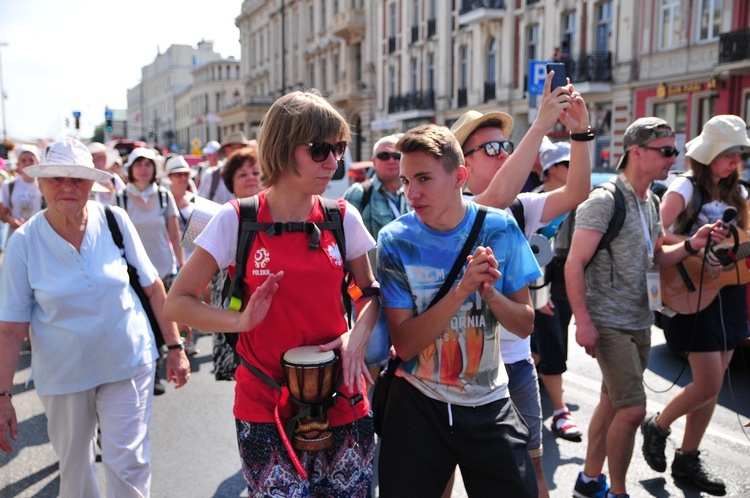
(550, 338)
(380, 343)
(4, 228)
(523, 385)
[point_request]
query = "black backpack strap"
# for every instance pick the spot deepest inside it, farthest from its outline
(114, 228)
(366, 194)
(215, 179)
(122, 199)
(335, 223)
(696, 203)
(247, 227)
(516, 209)
(163, 201)
(11, 184)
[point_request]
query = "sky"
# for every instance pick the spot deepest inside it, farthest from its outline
(83, 55)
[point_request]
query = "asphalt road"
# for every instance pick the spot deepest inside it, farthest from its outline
(195, 453)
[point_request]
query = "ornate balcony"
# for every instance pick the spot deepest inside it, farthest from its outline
(349, 24)
(590, 67)
(480, 10)
(419, 100)
(734, 46)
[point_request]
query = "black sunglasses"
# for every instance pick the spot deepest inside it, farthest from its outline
(384, 156)
(319, 150)
(492, 149)
(665, 151)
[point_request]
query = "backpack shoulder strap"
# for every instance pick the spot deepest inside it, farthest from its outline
(122, 199)
(333, 211)
(516, 209)
(366, 194)
(215, 179)
(696, 203)
(11, 184)
(114, 228)
(163, 201)
(247, 212)
(618, 216)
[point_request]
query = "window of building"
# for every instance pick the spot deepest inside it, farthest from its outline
(414, 74)
(324, 75)
(392, 20)
(358, 62)
(532, 42)
(709, 19)
(431, 71)
(311, 74)
(311, 17)
(706, 109)
(747, 107)
(391, 81)
(323, 15)
(568, 34)
(491, 60)
(670, 24)
(463, 66)
(603, 26)
(196, 60)
(674, 113)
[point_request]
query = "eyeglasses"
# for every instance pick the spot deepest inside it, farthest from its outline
(384, 156)
(492, 149)
(319, 150)
(665, 151)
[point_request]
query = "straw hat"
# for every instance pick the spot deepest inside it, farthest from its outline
(471, 120)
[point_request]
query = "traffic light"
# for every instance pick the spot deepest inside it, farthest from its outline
(78, 123)
(108, 119)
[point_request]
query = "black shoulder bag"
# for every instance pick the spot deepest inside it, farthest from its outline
(383, 383)
(114, 228)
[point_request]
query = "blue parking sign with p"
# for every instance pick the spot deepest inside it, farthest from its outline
(537, 75)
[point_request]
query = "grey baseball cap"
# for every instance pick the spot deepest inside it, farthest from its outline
(642, 131)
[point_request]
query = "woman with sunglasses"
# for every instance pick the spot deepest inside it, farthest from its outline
(292, 298)
(715, 158)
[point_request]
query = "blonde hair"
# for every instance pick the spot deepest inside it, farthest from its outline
(297, 118)
(437, 141)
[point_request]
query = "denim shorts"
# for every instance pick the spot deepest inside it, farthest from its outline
(523, 385)
(379, 345)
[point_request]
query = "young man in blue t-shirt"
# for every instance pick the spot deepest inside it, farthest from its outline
(449, 403)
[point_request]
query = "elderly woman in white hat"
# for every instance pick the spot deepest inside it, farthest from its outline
(67, 289)
(710, 336)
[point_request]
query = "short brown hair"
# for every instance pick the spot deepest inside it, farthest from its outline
(235, 162)
(153, 168)
(297, 118)
(438, 141)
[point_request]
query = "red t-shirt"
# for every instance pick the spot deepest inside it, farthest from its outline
(306, 310)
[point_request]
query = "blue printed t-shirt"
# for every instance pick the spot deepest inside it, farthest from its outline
(464, 365)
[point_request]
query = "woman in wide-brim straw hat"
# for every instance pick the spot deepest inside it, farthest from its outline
(715, 158)
(292, 297)
(67, 287)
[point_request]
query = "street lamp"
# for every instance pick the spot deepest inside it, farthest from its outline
(2, 94)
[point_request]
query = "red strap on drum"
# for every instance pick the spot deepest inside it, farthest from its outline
(282, 433)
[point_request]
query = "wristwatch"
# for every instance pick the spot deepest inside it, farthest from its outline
(180, 345)
(586, 136)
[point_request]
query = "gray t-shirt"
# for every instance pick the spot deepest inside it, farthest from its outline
(616, 293)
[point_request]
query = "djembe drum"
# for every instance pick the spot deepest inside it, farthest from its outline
(310, 378)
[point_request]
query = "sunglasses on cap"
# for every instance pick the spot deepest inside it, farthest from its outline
(384, 156)
(319, 150)
(665, 151)
(492, 149)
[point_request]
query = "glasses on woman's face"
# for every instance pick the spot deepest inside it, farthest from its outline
(384, 156)
(667, 152)
(319, 150)
(492, 149)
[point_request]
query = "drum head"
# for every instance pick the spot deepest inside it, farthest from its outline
(307, 356)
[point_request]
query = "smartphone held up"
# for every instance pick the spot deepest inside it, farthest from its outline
(560, 78)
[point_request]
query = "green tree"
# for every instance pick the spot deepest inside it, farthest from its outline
(98, 135)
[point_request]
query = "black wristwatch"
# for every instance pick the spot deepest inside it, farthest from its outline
(180, 345)
(586, 136)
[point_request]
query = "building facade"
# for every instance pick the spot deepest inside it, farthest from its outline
(389, 65)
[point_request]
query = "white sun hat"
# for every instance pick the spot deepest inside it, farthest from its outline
(67, 158)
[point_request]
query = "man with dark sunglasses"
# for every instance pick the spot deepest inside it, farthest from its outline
(495, 178)
(380, 200)
(611, 293)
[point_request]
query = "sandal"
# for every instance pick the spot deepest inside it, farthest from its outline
(564, 426)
